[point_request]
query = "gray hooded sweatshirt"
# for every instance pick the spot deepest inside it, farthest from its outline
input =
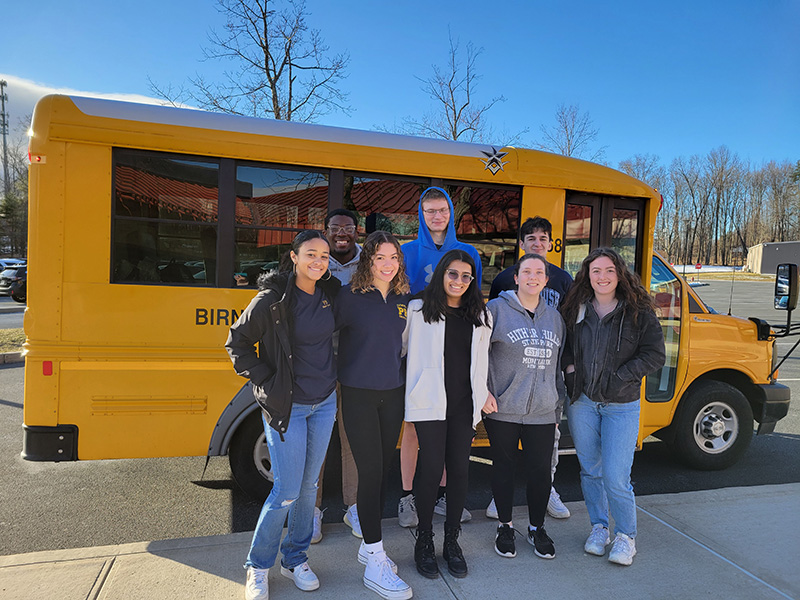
(525, 361)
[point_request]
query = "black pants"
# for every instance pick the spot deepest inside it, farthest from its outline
(372, 420)
(537, 451)
(443, 443)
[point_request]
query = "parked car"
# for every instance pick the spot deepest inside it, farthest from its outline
(7, 263)
(14, 282)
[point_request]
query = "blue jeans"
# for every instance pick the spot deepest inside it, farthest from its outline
(296, 463)
(605, 437)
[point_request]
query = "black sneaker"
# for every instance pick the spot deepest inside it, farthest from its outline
(504, 541)
(541, 542)
(451, 552)
(425, 555)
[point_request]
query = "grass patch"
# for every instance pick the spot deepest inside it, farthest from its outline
(11, 340)
(726, 276)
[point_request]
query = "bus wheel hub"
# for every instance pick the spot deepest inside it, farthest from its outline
(712, 426)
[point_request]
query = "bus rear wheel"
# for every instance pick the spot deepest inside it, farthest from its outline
(249, 458)
(713, 427)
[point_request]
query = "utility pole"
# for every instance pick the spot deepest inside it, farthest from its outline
(4, 131)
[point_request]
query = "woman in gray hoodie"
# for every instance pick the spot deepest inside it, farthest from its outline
(526, 390)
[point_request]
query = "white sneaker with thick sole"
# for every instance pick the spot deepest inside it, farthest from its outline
(257, 586)
(555, 507)
(363, 557)
(316, 534)
(351, 518)
(381, 579)
(597, 541)
(303, 577)
(407, 512)
(623, 550)
(440, 508)
(491, 510)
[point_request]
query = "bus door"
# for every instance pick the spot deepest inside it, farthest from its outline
(591, 221)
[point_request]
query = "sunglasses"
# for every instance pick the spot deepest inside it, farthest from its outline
(348, 229)
(455, 276)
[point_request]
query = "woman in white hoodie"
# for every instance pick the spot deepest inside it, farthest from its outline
(447, 343)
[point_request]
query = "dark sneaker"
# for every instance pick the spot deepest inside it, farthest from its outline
(425, 555)
(451, 552)
(541, 542)
(504, 543)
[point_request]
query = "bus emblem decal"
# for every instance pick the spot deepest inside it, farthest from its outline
(493, 160)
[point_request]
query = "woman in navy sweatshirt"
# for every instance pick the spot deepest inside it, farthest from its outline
(371, 316)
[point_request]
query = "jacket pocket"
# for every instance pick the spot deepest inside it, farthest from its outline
(617, 390)
(423, 392)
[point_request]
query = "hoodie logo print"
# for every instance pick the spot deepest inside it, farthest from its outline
(494, 160)
(429, 271)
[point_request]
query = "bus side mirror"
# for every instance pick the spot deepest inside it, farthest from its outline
(786, 287)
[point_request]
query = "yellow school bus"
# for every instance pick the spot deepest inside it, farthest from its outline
(148, 226)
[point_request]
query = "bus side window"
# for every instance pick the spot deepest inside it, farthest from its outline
(666, 291)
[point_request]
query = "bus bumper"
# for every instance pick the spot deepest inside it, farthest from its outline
(52, 444)
(770, 406)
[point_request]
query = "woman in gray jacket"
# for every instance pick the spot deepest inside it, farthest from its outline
(526, 388)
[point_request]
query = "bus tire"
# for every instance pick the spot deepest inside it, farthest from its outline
(713, 426)
(249, 458)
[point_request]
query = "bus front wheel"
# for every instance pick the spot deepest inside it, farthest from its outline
(249, 458)
(713, 426)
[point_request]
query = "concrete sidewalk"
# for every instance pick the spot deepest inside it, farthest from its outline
(728, 543)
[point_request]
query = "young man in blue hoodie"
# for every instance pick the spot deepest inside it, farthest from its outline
(436, 235)
(434, 239)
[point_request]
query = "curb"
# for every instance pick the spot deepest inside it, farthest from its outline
(7, 358)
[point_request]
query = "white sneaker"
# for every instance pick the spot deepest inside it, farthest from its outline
(407, 512)
(351, 518)
(316, 534)
(381, 579)
(257, 586)
(555, 507)
(491, 510)
(597, 541)
(303, 577)
(363, 557)
(623, 550)
(440, 508)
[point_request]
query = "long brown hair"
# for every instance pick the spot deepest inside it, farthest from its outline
(629, 287)
(362, 278)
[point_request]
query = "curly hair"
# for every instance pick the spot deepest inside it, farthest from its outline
(629, 287)
(434, 298)
(362, 278)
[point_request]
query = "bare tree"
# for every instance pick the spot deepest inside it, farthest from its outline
(457, 114)
(280, 68)
(14, 205)
(574, 134)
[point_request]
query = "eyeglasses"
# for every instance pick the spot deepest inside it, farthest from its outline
(455, 276)
(436, 211)
(336, 230)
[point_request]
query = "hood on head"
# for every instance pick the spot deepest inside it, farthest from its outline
(424, 235)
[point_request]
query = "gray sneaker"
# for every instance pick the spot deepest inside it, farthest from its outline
(597, 541)
(623, 550)
(407, 512)
(440, 508)
(555, 507)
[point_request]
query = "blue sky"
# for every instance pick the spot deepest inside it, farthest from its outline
(669, 78)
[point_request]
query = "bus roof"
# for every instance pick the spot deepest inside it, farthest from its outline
(560, 171)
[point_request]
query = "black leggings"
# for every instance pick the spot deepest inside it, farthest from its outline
(443, 443)
(372, 421)
(537, 451)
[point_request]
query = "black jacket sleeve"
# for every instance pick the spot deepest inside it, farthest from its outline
(650, 354)
(245, 334)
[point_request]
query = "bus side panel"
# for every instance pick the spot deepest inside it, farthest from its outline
(146, 409)
(547, 203)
